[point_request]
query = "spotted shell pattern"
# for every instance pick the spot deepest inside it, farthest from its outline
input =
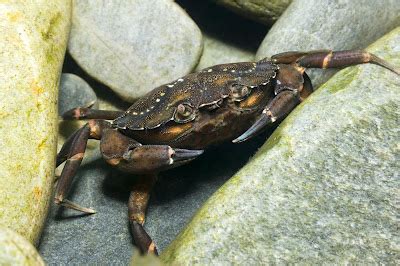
(197, 90)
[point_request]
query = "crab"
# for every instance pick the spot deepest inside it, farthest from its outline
(174, 123)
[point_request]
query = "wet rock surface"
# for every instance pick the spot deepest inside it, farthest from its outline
(264, 11)
(16, 250)
(134, 46)
(218, 52)
(33, 39)
(338, 25)
(322, 189)
(75, 92)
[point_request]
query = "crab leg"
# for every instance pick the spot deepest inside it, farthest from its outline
(137, 206)
(331, 59)
(88, 113)
(73, 151)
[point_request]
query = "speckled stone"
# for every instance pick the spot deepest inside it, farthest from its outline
(16, 250)
(33, 38)
(134, 46)
(264, 11)
(325, 24)
(323, 189)
(75, 92)
(217, 51)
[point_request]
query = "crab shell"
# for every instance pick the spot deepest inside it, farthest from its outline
(209, 96)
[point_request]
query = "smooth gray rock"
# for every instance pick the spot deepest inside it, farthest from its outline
(325, 24)
(264, 11)
(324, 189)
(74, 92)
(134, 46)
(217, 51)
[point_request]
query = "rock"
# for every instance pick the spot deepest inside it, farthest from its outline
(16, 250)
(33, 37)
(217, 51)
(314, 25)
(134, 46)
(264, 11)
(75, 92)
(323, 188)
(145, 260)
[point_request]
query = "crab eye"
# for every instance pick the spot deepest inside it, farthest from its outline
(239, 92)
(184, 113)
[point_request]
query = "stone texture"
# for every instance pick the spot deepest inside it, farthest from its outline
(75, 92)
(264, 11)
(325, 24)
(33, 38)
(134, 46)
(217, 51)
(16, 250)
(323, 189)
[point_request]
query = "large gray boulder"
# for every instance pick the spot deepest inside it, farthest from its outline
(323, 189)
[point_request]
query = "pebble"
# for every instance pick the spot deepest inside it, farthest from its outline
(133, 46)
(75, 92)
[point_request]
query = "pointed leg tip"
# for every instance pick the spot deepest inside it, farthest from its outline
(72, 205)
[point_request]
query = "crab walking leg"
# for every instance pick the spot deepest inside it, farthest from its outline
(137, 206)
(277, 109)
(88, 113)
(62, 155)
(331, 59)
(73, 151)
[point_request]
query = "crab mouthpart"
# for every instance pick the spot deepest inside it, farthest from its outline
(255, 129)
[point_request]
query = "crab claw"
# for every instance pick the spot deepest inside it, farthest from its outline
(183, 155)
(257, 127)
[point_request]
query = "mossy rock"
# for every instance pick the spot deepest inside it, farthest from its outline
(33, 38)
(322, 189)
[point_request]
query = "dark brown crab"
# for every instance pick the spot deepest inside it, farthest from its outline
(174, 123)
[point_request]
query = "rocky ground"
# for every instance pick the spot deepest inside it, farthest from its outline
(323, 187)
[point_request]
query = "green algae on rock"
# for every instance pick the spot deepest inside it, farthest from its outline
(33, 37)
(325, 24)
(322, 189)
(264, 11)
(16, 250)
